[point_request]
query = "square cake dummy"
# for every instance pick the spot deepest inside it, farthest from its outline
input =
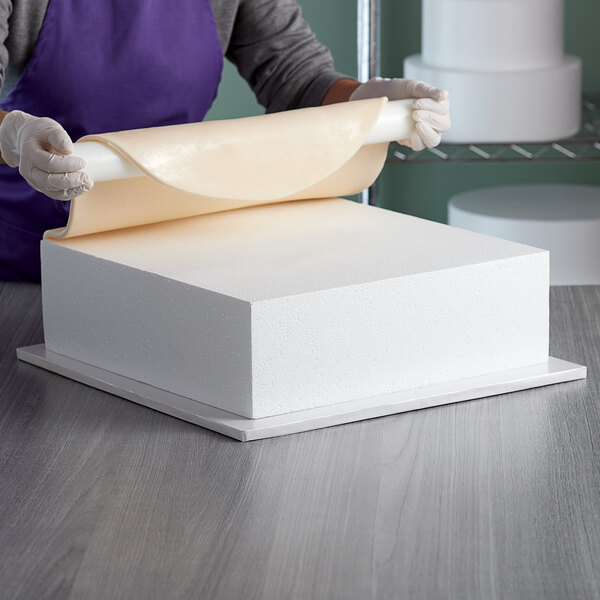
(277, 308)
(224, 272)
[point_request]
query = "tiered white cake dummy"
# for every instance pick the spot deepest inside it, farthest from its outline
(229, 288)
(504, 65)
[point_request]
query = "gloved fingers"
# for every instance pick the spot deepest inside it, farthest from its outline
(48, 133)
(422, 137)
(429, 136)
(374, 88)
(441, 107)
(421, 89)
(54, 163)
(438, 122)
(59, 140)
(443, 95)
(66, 194)
(414, 142)
(69, 194)
(398, 89)
(55, 182)
(60, 186)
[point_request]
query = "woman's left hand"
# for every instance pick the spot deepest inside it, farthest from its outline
(431, 108)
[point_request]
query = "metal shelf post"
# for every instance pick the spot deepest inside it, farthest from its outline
(369, 58)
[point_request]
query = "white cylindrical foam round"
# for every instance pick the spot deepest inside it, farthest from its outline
(536, 105)
(564, 219)
(492, 35)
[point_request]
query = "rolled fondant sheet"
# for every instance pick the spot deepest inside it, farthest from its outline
(202, 168)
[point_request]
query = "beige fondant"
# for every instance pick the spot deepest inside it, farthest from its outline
(202, 168)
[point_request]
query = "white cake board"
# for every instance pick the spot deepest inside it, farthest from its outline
(244, 429)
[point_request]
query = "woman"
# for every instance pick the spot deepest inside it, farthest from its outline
(88, 67)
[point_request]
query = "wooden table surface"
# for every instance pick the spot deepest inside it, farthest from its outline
(493, 498)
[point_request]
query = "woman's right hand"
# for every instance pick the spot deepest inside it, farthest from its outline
(40, 147)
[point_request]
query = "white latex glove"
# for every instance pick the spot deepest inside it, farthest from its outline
(39, 146)
(431, 108)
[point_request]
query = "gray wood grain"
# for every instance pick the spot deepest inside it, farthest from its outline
(495, 498)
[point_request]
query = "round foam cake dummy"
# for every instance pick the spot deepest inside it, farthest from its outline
(201, 168)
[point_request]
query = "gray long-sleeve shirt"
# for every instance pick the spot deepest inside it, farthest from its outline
(273, 48)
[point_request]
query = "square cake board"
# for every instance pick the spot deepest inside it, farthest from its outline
(245, 429)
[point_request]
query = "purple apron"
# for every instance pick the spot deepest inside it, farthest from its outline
(104, 65)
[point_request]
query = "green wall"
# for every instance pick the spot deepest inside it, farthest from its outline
(334, 23)
(424, 190)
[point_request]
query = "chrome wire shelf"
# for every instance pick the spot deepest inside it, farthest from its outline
(584, 146)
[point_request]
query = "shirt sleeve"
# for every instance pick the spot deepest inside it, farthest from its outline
(5, 10)
(277, 53)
